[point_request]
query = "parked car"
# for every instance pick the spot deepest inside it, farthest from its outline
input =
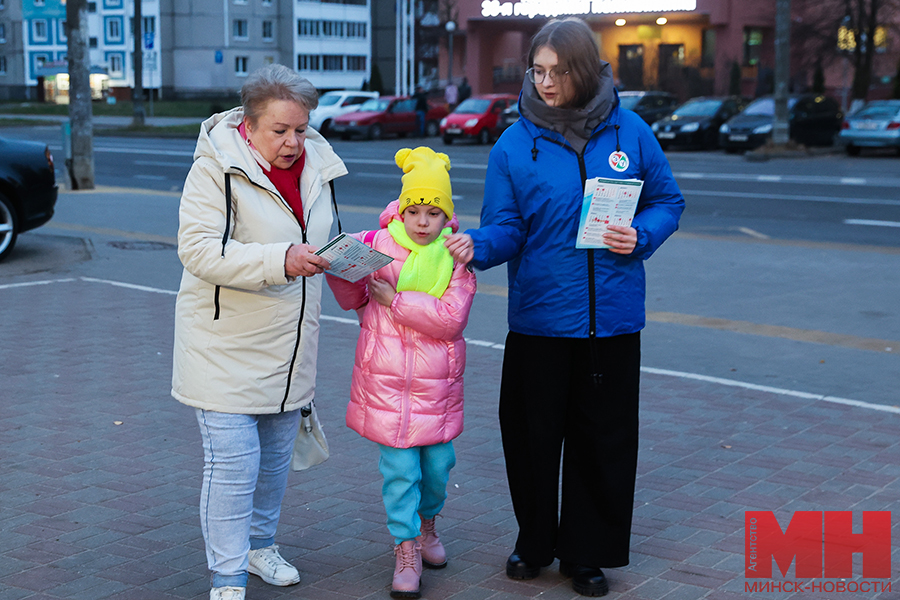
(388, 115)
(509, 116)
(334, 104)
(650, 106)
(27, 189)
(875, 125)
(813, 120)
(476, 118)
(696, 122)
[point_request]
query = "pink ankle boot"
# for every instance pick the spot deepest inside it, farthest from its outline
(408, 570)
(433, 554)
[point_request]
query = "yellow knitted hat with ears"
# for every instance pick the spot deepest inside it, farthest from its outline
(426, 180)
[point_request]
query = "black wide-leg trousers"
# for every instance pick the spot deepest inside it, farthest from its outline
(552, 406)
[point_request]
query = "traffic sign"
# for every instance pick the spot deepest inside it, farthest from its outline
(148, 40)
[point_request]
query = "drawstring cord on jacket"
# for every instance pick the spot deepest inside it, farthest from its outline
(534, 150)
(618, 147)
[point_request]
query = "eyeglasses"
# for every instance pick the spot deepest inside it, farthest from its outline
(537, 75)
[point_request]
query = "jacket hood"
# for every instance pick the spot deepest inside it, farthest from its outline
(576, 125)
(220, 140)
(390, 213)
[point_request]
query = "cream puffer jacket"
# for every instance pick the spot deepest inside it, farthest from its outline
(246, 337)
(407, 387)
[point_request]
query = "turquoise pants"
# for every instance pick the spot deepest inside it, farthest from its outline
(415, 483)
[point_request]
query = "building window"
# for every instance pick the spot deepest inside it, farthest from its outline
(92, 42)
(266, 2)
(332, 62)
(356, 30)
(39, 3)
(268, 31)
(240, 1)
(113, 29)
(39, 30)
(2, 65)
(753, 39)
(356, 63)
(148, 25)
(240, 29)
(333, 28)
(2, 6)
(307, 62)
(116, 64)
(240, 65)
(92, 7)
(2, 33)
(307, 28)
(112, 3)
(708, 48)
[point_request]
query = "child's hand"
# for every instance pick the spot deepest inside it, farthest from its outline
(461, 247)
(381, 291)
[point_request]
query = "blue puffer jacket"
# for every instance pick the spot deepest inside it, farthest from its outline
(532, 205)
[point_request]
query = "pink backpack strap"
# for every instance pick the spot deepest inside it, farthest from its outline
(369, 238)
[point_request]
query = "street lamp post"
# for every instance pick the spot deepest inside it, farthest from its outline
(450, 26)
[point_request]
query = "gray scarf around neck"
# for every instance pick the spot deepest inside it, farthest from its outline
(574, 124)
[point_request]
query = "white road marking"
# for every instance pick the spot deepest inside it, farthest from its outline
(492, 345)
(870, 222)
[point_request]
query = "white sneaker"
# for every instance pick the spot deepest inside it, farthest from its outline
(227, 593)
(269, 565)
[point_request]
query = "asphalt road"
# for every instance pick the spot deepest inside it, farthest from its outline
(784, 273)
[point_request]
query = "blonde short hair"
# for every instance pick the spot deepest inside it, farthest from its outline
(276, 82)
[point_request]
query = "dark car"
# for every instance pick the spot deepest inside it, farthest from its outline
(696, 122)
(813, 120)
(387, 115)
(650, 106)
(476, 118)
(27, 189)
(509, 116)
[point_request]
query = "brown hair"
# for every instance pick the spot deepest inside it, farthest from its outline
(276, 82)
(577, 52)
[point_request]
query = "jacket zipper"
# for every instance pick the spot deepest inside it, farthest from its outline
(596, 375)
(290, 374)
(405, 402)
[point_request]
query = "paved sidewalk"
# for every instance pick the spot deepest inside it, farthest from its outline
(101, 471)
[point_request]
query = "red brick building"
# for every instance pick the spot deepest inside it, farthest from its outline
(688, 47)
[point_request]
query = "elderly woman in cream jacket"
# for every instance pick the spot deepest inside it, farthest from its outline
(257, 203)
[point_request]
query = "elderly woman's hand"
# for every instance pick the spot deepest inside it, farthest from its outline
(461, 247)
(621, 240)
(301, 261)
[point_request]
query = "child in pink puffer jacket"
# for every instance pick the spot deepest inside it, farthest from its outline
(407, 389)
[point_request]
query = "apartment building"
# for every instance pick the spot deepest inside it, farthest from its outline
(191, 48)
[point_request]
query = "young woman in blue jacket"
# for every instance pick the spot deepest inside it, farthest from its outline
(571, 368)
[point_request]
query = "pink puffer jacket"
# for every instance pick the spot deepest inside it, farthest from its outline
(407, 387)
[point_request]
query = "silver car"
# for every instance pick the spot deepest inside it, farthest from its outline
(876, 125)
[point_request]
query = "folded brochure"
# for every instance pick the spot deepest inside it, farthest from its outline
(350, 259)
(606, 202)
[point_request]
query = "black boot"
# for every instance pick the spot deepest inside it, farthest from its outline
(518, 568)
(587, 581)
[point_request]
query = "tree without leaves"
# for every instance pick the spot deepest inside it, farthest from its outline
(815, 30)
(81, 169)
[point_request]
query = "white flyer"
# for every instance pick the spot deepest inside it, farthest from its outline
(350, 259)
(606, 202)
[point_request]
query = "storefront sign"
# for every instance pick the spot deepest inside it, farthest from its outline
(554, 8)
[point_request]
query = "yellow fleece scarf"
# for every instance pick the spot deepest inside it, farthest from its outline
(427, 268)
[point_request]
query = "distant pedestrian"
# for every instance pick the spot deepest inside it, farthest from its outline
(451, 96)
(571, 366)
(421, 109)
(465, 90)
(255, 207)
(407, 388)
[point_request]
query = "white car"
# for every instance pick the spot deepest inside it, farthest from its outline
(333, 104)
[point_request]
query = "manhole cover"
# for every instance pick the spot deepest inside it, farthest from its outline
(143, 245)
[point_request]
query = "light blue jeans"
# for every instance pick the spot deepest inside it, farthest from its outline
(415, 483)
(247, 460)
